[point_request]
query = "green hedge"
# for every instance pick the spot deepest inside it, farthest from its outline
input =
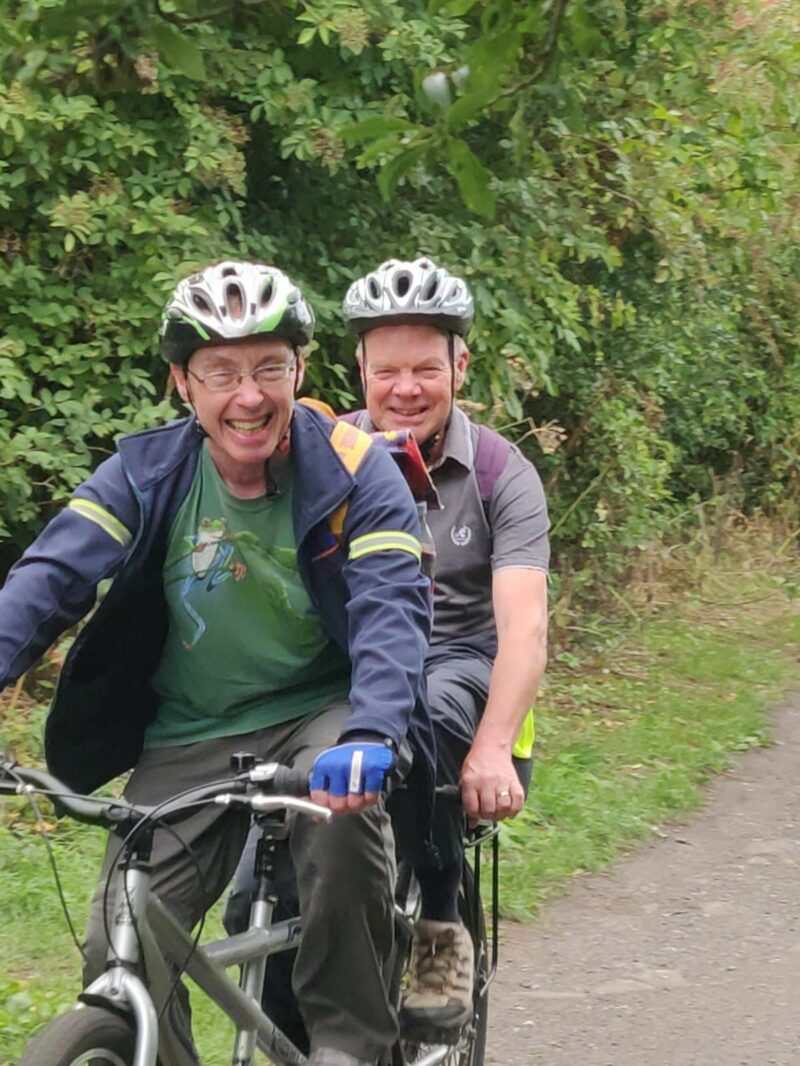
(618, 181)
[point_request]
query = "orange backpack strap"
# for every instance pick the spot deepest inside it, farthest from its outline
(318, 405)
(351, 445)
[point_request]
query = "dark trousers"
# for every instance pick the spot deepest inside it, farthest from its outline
(458, 686)
(345, 876)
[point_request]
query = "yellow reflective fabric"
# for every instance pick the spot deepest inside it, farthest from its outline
(390, 540)
(103, 518)
(318, 405)
(523, 749)
(351, 445)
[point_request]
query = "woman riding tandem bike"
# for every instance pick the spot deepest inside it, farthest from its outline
(239, 617)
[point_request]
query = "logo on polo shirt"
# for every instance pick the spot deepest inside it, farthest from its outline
(461, 535)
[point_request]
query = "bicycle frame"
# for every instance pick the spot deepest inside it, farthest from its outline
(145, 938)
(486, 833)
(144, 932)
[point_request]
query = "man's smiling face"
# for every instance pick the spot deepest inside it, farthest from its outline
(407, 377)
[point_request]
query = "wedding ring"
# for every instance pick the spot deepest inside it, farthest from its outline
(504, 794)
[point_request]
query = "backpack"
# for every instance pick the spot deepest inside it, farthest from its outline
(352, 444)
(491, 455)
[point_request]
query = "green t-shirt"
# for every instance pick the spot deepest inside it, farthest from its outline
(245, 647)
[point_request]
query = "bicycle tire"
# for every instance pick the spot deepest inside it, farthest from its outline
(89, 1036)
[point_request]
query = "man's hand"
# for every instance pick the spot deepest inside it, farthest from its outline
(490, 788)
(349, 777)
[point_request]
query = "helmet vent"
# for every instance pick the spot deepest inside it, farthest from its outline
(201, 303)
(229, 272)
(431, 285)
(234, 301)
(374, 288)
(266, 292)
(403, 283)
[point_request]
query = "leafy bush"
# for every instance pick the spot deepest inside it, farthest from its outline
(618, 182)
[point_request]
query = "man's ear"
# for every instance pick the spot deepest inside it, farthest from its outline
(301, 373)
(460, 366)
(181, 384)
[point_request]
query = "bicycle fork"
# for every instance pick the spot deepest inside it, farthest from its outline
(119, 987)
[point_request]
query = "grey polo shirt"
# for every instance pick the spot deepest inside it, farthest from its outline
(469, 549)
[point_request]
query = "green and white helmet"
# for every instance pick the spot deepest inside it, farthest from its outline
(401, 293)
(230, 301)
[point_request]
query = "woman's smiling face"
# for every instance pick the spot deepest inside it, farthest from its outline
(246, 424)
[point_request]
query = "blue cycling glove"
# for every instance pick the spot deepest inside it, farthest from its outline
(355, 767)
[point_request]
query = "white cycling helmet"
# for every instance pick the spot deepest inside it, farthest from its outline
(230, 301)
(401, 293)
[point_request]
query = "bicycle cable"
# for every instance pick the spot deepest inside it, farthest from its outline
(129, 838)
(42, 832)
(125, 846)
(152, 818)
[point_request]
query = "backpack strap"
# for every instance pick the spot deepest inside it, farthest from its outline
(491, 455)
(318, 405)
(351, 445)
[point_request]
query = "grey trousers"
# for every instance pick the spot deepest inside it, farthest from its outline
(458, 687)
(345, 872)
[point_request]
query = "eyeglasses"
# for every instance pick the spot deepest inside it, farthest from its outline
(230, 380)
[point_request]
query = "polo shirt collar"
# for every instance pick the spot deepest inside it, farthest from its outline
(457, 442)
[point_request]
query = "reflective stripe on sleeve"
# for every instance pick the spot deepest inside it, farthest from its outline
(391, 540)
(103, 518)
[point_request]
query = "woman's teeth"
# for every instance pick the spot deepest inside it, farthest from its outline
(248, 427)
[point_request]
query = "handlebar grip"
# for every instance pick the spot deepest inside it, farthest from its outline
(100, 811)
(290, 781)
(452, 793)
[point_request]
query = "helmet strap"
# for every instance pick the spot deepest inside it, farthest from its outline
(451, 351)
(296, 370)
(200, 429)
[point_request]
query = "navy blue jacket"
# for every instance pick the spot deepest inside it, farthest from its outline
(375, 605)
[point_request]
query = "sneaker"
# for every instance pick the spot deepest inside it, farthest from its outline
(439, 993)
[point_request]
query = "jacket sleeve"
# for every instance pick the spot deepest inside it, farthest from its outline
(389, 610)
(55, 582)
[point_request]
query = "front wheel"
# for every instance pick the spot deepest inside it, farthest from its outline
(88, 1036)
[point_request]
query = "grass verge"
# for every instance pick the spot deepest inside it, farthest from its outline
(630, 728)
(629, 732)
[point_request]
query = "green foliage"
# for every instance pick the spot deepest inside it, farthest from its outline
(628, 732)
(617, 181)
(628, 736)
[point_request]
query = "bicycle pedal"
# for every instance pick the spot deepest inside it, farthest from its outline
(427, 1035)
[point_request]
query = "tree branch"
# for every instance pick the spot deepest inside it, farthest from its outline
(176, 20)
(550, 42)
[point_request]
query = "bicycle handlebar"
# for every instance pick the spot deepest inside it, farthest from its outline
(282, 783)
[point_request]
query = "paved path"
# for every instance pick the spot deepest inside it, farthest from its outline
(686, 954)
